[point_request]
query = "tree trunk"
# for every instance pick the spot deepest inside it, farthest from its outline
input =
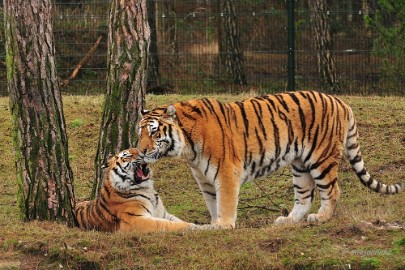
(128, 41)
(230, 51)
(153, 63)
(323, 45)
(45, 179)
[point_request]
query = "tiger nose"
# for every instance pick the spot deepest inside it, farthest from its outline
(144, 151)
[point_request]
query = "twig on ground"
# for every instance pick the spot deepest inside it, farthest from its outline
(281, 209)
(260, 207)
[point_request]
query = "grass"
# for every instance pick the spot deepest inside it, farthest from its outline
(358, 236)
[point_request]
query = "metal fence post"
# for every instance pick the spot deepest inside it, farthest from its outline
(291, 49)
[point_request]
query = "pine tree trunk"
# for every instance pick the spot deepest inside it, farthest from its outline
(231, 55)
(45, 179)
(153, 63)
(128, 41)
(323, 45)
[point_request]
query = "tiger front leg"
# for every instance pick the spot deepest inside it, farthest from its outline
(148, 224)
(220, 189)
(209, 193)
(172, 217)
(227, 201)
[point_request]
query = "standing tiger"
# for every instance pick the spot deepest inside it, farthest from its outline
(127, 201)
(228, 144)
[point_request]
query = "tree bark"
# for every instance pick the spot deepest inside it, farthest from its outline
(323, 43)
(230, 51)
(44, 176)
(128, 42)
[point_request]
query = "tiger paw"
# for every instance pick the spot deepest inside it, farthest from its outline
(193, 227)
(315, 219)
(283, 220)
(223, 224)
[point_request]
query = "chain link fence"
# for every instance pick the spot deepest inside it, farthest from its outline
(189, 48)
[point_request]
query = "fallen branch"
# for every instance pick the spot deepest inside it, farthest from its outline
(381, 224)
(82, 62)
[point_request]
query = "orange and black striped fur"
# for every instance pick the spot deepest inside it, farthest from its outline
(228, 144)
(127, 201)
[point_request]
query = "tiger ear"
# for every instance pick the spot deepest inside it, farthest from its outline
(143, 112)
(170, 112)
(109, 161)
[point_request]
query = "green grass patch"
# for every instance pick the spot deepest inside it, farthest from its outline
(401, 242)
(76, 123)
(370, 263)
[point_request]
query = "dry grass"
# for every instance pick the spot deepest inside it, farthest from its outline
(358, 237)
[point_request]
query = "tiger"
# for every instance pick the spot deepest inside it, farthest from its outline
(229, 144)
(127, 201)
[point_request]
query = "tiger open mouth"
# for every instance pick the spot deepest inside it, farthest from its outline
(141, 172)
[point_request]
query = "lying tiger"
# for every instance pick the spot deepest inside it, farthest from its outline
(229, 144)
(127, 201)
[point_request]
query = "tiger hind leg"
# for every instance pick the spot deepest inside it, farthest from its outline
(326, 183)
(304, 187)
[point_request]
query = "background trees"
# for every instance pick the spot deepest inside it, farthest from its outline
(188, 41)
(386, 21)
(44, 176)
(128, 41)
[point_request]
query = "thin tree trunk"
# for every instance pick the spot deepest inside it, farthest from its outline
(44, 176)
(153, 63)
(169, 26)
(128, 41)
(323, 45)
(231, 54)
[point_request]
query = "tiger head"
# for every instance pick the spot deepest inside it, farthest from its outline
(159, 134)
(127, 170)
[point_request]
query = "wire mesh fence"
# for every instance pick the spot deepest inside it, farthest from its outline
(189, 46)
